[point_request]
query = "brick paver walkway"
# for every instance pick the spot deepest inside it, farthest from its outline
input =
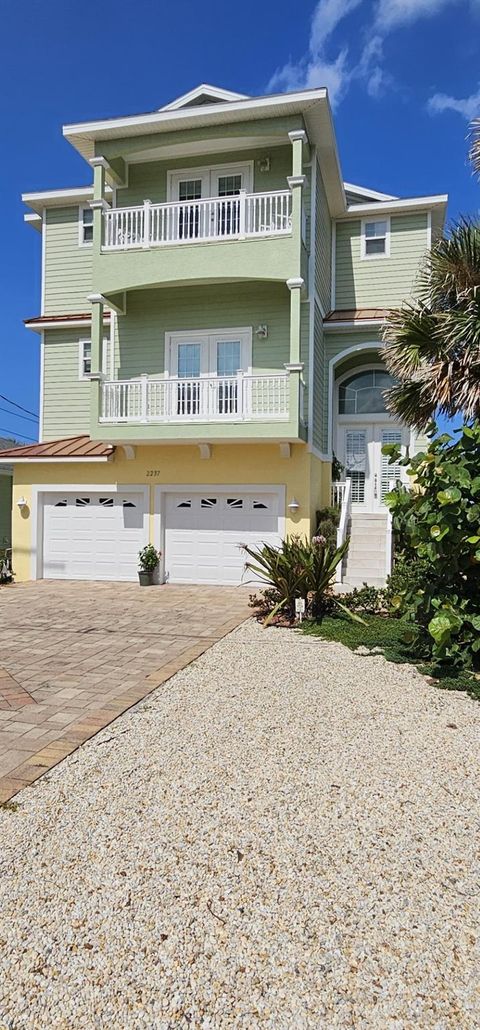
(73, 656)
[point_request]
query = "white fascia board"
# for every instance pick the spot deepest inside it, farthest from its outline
(203, 90)
(34, 219)
(57, 461)
(365, 191)
(207, 113)
(408, 204)
(78, 323)
(358, 323)
(58, 198)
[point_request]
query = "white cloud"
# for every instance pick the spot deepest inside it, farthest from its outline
(393, 14)
(468, 107)
(315, 69)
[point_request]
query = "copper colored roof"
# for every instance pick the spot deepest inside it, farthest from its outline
(82, 317)
(358, 315)
(70, 447)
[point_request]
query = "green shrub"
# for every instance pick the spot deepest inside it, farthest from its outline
(365, 599)
(438, 522)
(327, 524)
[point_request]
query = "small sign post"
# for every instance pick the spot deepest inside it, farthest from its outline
(299, 608)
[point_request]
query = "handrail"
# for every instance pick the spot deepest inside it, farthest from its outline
(343, 523)
(239, 216)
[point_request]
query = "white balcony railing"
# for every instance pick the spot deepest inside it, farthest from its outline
(216, 218)
(342, 498)
(209, 399)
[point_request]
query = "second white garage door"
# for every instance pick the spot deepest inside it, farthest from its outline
(204, 533)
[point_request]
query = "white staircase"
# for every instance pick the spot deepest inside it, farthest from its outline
(366, 558)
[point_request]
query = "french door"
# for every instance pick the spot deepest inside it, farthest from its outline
(206, 366)
(197, 220)
(360, 450)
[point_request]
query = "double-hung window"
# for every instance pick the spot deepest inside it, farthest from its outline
(85, 226)
(376, 238)
(85, 358)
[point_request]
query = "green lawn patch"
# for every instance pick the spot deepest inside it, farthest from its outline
(384, 636)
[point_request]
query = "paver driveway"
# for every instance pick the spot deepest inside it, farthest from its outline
(73, 656)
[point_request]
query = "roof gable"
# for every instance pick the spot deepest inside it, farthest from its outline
(201, 95)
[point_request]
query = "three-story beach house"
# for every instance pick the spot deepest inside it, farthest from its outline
(210, 332)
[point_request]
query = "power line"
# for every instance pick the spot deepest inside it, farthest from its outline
(12, 434)
(15, 405)
(25, 417)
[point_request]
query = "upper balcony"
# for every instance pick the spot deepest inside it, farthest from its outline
(210, 220)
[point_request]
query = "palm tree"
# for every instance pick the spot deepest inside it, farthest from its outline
(433, 345)
(475, 147)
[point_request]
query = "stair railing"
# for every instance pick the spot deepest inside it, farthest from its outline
(345, 511)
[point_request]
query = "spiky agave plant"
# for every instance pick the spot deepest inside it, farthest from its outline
(433, 345)
(297, 568)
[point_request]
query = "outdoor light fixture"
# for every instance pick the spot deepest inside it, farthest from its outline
(293, 505)
(264, 164)
(261, 331)
(22, 502)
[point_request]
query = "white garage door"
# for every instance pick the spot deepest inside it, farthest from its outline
(92, 535)
(203, 534)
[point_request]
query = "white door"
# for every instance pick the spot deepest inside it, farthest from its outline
(204, 533)
(93, 535)
(360, 450)
(197, 220)
(215, 358)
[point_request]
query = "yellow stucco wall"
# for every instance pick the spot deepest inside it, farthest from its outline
(304, 476)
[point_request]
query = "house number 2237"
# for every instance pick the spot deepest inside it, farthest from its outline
(153, 472)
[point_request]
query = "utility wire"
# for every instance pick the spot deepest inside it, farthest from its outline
(26, 418)
(12, 434)
(15, 405)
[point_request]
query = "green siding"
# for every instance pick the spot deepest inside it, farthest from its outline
(66, 399)
(68, 267)
(381, 282)
(320, 398)
(324, 245)
(152, 313)
(5, 509)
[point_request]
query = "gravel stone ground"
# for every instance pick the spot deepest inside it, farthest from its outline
(285, 835)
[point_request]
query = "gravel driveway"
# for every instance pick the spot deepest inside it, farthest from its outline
(284, 836)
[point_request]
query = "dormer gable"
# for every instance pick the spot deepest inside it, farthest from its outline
(202, 95)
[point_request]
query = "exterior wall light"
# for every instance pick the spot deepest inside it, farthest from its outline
(261, 331)
(21, 503)
(264, 164)
(293, 505)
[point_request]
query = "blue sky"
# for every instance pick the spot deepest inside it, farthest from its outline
(404, 78)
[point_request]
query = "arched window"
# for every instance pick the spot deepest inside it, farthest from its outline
(362, 393)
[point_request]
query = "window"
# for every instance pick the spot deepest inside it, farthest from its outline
(85, 219)
(85, 347)
(81, 502)
(208, 502)
(363, 393)
(376, 238)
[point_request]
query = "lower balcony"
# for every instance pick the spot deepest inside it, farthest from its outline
(217, 407)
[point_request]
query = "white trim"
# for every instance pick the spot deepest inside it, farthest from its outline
(113, 326)
(192, 335)
(296, 134)
(296, 283)
(360, 323)
(57, 461)
(363, 239)
(333, 268)
(296, 180)
(363, 191)
(59, 198)
(163, 489)
(36, 510)
(82, 375)
(44, 251)
(33, 219)
(429, 230)
(319, 304)
(245, 168)
(312, 291)
(81, 210)
(42, 386)
(357, 348)
(165, 116)
(319, 454)
(83, 323)
(203, 90)
(408, 204)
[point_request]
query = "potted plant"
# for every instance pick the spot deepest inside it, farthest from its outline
(148, 559)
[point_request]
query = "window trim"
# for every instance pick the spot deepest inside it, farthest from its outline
(363, 238)
(83, 376)
(81, 241)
